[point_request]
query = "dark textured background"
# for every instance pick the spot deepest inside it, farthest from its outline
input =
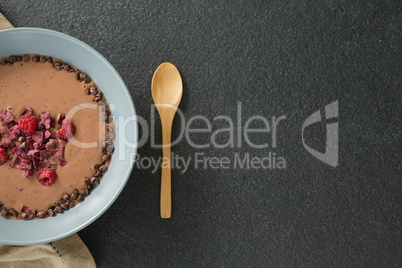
(276, 58)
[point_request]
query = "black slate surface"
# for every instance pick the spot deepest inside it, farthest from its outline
(276, 58)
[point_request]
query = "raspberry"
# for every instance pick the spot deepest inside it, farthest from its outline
(28, 124)
(61, 133)
(25, 209)
(47, 176)
(67, 130)
(3, 156)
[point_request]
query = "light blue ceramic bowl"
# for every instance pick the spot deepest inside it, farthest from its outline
(77, 53)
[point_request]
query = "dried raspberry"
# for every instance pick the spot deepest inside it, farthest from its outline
(6, 116)
(61, 133)
(3, 156)
(47, 176)
(67, 130)
(25, 209)
(28, 124)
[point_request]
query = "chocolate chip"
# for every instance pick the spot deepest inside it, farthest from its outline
(109, 119)
(66, 67)
(35, 58)
(49, 60)
(41, 214)
(60, 118)
(4, 62)
(104, 116)
(96, 167)
(88, 80)
(94, 181)
(77, 72)
(62, 201)
(23, 215)
(23, 146)
(80, 198)
(76, 192)
(12, 59)
(111, 135)
(64, 207)
(57, 210)
(41, 126)
(87, 181)
(88, 91)
(53, 166)
(93, 90)
(30, 216)
(81, 77)
(66, 196)
(12, 212)
(73, 196)
(1, 204)
(58, 68)
(97, 173)
(97, 99)
(105, 158)
(103, 168)
(57, 63)
(71, 70)
(102, 104)
(43, 59)
(104, 107)
(3, 211)
(110, 149)
(83, 192)
(71, 204)
(19, 58)
(26, 57)
(50, 212)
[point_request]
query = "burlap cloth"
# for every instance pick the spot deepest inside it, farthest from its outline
(67, 252)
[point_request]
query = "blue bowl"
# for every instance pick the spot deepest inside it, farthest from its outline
(79, 54)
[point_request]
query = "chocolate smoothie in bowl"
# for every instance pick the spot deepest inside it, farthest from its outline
(56, 136)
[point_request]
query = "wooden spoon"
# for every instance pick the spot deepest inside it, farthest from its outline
(167, 89)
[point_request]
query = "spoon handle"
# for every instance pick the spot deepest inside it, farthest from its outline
(166, 190)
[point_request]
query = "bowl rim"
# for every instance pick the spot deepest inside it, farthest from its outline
(133, 151)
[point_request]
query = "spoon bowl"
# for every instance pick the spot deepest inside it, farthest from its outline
(167, 86)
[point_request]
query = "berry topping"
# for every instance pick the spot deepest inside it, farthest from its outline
(3, 156)
(25, 209)
(6, 116)
(47, 176)
(67, 130)
(28, 124)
